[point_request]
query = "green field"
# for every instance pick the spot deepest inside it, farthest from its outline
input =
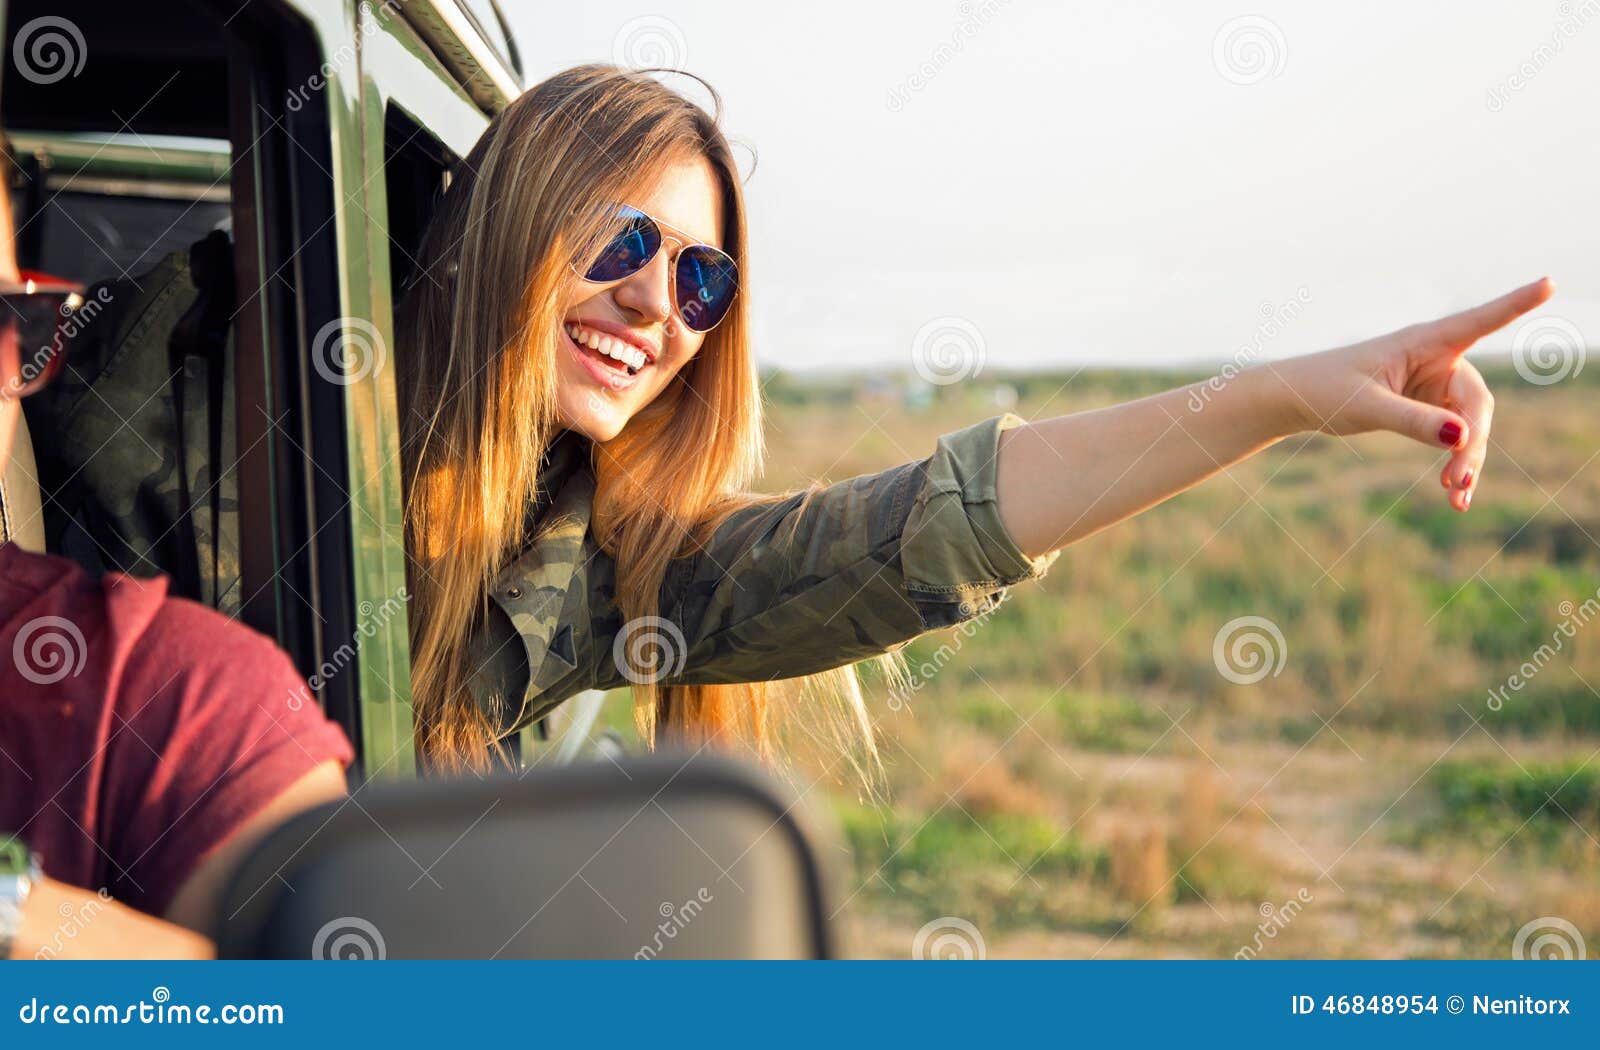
(1076, 778)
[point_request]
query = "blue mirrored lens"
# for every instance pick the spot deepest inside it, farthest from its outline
(630, 249)
(707, 283)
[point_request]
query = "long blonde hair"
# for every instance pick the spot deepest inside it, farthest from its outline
(478, 333)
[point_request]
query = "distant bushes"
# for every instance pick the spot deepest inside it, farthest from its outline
(1541, 800)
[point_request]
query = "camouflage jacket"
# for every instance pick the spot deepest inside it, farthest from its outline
(780, 590)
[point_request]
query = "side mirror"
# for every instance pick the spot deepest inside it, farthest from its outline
(661, 856)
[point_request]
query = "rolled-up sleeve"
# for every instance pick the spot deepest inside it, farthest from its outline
(837, 574)
(955, 552)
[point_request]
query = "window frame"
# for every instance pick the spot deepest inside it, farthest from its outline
(322, 553)
(400, 78)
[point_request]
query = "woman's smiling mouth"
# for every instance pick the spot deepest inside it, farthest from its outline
(608, 373)
(612, 355)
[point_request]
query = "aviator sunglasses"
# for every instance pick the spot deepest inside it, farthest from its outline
(39, 309)
(704, 279)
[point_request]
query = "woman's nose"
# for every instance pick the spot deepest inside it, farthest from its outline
(645, 294)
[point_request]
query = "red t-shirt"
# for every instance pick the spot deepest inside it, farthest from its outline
(137, 731)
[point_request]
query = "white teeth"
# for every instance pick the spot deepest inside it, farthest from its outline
(612, 348)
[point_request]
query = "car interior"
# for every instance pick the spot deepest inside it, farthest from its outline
(104, 191)
(176, 163)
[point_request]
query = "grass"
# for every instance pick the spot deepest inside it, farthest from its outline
(1553, 706)
(1545, 800)
(1078, 779)
(1003, 867)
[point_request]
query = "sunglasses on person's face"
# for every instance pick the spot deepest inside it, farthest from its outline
(37, 310)
(704, 279)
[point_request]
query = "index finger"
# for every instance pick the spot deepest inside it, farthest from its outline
(1467, 327)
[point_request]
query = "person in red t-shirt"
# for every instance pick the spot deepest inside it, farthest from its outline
(146, 742)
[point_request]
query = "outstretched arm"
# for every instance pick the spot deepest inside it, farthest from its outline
(1063, 479)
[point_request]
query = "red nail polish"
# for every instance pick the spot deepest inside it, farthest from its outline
(1466, 480)
(1450, 434)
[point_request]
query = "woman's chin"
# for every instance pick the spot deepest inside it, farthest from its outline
(592, 414)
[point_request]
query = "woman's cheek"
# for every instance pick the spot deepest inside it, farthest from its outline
(685, 345)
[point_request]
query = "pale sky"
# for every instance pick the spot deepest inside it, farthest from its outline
(1133, 183)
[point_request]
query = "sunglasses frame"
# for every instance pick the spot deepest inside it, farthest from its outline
(65, 298)
(682, 244)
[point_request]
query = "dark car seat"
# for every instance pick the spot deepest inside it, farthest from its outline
(661, 856)
(139, 474)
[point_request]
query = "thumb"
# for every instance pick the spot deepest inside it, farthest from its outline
(1435, 427)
